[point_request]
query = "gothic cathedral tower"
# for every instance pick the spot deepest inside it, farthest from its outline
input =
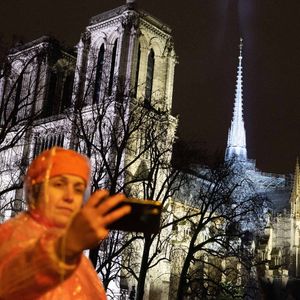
(126, 47)
(126, 54)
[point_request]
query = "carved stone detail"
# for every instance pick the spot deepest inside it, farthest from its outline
(154, 30)
(130, 19)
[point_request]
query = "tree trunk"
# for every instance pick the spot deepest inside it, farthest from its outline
(106, 279)
(143, 269)
(182, 285)
(93, 256)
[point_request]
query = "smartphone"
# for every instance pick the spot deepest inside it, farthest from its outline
(144, 216)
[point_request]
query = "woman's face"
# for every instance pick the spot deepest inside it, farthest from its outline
(61, 198)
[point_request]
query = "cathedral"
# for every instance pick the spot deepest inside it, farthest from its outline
(121, 76)
(277, 248)
(110, 98)
(124, 56)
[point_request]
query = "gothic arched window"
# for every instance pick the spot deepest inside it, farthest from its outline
(137, 70)
(19, 89)
(49, 101)
(67, 91)
(112, 68)
(17, 103)
(149, 78)
(99, 69)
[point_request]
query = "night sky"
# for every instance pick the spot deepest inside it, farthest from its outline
(206, 34)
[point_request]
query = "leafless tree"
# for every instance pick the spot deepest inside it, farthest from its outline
(129, 141)
(218, 258)
(19, 92)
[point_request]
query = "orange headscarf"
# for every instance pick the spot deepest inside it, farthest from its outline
(57, 161)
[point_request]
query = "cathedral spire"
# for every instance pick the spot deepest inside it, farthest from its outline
(296, 186)
(236, 143)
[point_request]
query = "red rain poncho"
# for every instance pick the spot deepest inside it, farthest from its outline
(29, 268)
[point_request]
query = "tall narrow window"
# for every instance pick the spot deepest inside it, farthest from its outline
(17, 98)
(47, 142)
(149, 78)
(137, 71)
(18, 89)
(112, 68)
(48, 106)
(36, 147)
(67, 91)
(52, 141)
(99, 69)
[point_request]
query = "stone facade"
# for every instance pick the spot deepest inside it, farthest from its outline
(278, 247)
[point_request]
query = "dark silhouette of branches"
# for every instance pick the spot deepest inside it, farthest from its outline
(129, 141)
(216, 251)
(20, 91)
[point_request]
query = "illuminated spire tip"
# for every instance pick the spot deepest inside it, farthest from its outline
(236, 143)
